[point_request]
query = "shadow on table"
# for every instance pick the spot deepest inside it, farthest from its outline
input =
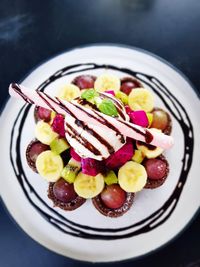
(137, 4)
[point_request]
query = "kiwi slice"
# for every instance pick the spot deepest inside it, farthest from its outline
(71, 170)
(59, 145)
(110, 178)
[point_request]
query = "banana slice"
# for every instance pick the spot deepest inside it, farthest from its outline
(132, 176)
(149, 151)
(87, 186)
(44, 133)
(68, 92)
(141, 99)
(49, 165)
(107, 82)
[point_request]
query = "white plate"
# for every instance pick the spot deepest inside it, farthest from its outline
(156, 216)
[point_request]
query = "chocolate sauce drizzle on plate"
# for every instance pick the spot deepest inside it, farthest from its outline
(158, 217)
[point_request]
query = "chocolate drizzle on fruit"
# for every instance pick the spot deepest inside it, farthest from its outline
(145, 225)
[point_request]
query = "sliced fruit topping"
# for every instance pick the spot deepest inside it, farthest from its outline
(139, 117)
(44, 133)
(91, 166)
(138, 156)
(157, 171)
(148, 150)
(123, 97)
(150, 118)
(110, 178)
(156, 168)
(111, 92)
(110, 212)
(68, 92)
(59, 145)
(71, 170)
(121, 156)
(84, 81)
(161, 120)
(41, 113)
(128, 110)
(34, 149)
(132, 176)
(88, 186)
(58, 125)
(64, 191)
(106, 82)
(128, 83)
(113, 196)
(49, 165)
(141, 99)
(74, 155)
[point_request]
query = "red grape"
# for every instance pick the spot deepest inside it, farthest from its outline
(84, 81)
(155, 168)
(32, 152)
(160, 119)
(64, 191)
(41, 113)
(127, 84)
(113, 196)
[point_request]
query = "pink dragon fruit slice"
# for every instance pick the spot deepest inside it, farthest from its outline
(91, 166)
(128, 110)
(74, 155)
(121, 156)
(139, 117)
(111, 92)
(58, 125)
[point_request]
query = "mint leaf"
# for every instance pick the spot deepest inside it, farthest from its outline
(89, 94)
(107, 107)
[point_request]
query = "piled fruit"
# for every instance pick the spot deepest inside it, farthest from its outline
(111, 182)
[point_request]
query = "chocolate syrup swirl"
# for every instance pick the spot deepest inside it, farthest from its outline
(69, 227)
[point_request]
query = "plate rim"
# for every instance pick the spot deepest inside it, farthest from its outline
(116, 45)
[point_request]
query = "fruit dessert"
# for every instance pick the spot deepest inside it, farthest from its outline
(99, 138)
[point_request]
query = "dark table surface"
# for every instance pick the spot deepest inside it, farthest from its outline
(33, 31)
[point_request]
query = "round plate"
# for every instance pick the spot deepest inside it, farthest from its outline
(157, 215)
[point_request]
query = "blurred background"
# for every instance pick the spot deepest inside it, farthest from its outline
(33, 31)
